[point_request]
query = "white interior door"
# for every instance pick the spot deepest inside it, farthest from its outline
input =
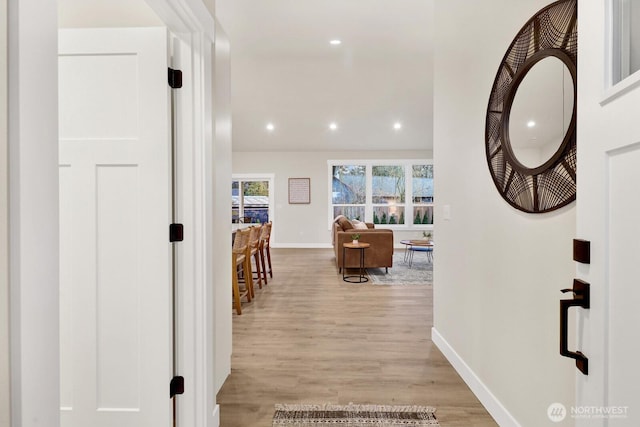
(608, 207)
(115, 269)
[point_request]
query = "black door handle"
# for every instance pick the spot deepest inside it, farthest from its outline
(581, 298)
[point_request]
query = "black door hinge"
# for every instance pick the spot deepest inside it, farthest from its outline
(176, 233)
(175, 78)
(176, 386)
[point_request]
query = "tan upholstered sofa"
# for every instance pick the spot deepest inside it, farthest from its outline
(380, 254)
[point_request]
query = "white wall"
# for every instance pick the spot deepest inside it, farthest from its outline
(497, 271)
(221, 209)
(4, 226)
(307, 225)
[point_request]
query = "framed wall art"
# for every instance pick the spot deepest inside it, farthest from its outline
(299, 191)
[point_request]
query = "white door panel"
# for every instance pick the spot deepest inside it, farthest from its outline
(623, 347)
(115, 254)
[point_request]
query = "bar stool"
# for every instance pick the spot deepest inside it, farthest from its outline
(254, 248)
(264, 242)
(240, 260)
(266, 247)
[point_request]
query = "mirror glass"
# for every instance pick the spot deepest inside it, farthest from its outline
(541, 112)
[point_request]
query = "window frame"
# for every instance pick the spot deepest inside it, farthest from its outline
(408, 204)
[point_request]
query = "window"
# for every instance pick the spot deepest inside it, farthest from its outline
(348, 191)
(388, 194)
(377, 191)
(422, 183)
(625, 25)
(251, 200)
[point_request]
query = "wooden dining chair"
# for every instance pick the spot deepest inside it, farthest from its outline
(240, 263)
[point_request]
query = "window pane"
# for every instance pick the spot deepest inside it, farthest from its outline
(235, 201)
(256, 214)
(388, 184)
(388, 215)
(423, 215)
(634, 36)
(255, 196)
(349, 184)
(422, 184)
(626, 38)
(351, 212)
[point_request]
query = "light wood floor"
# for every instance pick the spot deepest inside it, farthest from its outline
(309, 337)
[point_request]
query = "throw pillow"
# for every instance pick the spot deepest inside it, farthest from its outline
(344, 223)
(358, 225)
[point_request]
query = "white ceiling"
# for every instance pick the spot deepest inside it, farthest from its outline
(285, 71)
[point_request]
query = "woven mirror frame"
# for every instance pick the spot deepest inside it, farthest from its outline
(552, 32)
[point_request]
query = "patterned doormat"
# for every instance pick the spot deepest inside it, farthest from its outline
(420, 273)
(353, 415)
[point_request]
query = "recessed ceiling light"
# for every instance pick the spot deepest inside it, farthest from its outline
(333, 126)
(397, 125)
(270, 127)
(335, 42)
(531, 123)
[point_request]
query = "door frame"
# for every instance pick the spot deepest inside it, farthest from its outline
(33, 214)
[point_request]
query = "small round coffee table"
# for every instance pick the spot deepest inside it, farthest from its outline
(412, 246)
(361, 277)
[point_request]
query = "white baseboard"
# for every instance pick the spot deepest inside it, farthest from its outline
(216, 416)
(302, 245)
(499, 413)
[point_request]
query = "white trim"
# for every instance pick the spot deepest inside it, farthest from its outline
(185, 16)
(625, 86)
(33, 213)
(219, 217)
(499, 413)
(5, 368)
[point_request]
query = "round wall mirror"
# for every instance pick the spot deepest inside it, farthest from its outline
(541, 112)
(530, 131)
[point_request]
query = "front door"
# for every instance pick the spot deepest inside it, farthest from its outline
(115, 259)
(608, 215)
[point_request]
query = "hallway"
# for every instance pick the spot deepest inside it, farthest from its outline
(309, 337)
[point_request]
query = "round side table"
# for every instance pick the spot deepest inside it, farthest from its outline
(360, 277)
